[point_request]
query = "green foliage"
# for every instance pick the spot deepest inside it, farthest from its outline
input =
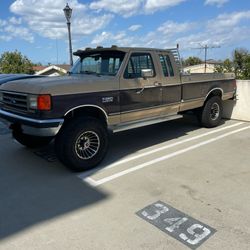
(15, 62)
(225, 67)
(240, 64)
(241, 59)
(192, 60)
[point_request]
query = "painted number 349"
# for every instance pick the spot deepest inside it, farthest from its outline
(192, 235)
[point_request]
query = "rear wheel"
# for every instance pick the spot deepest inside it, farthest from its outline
(82, 143)
(30, 141)
(211, 113)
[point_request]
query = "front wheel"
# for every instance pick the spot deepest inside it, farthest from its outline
(82, 143)
(212, 112)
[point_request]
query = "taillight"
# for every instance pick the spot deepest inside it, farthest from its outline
(44, 102)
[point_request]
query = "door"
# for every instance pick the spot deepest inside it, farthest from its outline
(140, 98)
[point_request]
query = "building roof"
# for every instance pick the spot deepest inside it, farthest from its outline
(38, 67)
(60, 68)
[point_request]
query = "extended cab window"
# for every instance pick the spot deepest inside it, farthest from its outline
(166, 64)
(137, 62)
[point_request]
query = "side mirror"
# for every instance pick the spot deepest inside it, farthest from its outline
(147, 73)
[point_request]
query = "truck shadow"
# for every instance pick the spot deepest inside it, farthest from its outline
(32, 192)
(128, 142)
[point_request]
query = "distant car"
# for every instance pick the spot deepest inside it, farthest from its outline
(11, 77)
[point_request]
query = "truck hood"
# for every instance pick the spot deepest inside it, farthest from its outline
(12, 77)
(62, 85)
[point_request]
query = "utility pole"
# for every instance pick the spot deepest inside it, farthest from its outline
(206, 47)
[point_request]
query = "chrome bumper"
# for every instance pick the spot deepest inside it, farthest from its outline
(31, 126)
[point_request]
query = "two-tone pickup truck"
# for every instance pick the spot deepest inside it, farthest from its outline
(109, 89)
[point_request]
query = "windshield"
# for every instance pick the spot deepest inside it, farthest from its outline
(101, 63)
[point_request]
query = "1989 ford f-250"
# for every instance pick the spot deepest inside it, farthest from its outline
(108, 89)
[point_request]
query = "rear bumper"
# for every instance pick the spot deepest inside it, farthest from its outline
(31, 126)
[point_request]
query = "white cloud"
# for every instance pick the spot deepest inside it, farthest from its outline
(135, 27)
(3, 23)
(225, 22)
(108, 38)
(171, 28)
(19, 32)
(11, 29)
(5, 38)
(154, 5)
(223, 30)
(129, 8)
(167, 33)
(47, 18)
(123, 7)
(14, 20)
(218, 3)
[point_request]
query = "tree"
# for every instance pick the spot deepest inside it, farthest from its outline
(226, 66)
(192, 60)
(241, 59)
(15, 62)
(240, 64)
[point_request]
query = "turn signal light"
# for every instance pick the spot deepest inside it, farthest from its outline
(44, 102)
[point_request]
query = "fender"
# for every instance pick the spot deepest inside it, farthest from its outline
(220, 89)
(88, 105)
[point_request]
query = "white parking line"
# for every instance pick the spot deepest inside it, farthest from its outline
(88, 173)
(172, 145)
(146, 164)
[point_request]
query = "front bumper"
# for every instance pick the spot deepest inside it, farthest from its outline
(31, 126)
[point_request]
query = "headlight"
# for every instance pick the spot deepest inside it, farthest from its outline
(1, 96)
(32, 100)
(40, 102)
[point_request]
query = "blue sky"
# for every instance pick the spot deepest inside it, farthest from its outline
(38, 28)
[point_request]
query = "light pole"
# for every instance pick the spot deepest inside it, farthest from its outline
(68, 12)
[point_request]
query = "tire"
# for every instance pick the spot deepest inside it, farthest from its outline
(212, 112)
(31, 141)
(82, 143)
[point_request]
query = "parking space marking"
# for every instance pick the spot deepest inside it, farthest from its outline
(182, 227)
(126, 160)
(96, 183)
(171, 145)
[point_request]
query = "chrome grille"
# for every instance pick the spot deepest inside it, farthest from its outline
(15, 102)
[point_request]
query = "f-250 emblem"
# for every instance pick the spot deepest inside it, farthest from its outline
(107, 99)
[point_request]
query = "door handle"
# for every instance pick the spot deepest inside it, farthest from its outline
(140, 91)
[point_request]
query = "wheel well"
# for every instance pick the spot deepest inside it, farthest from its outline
(88, 111)
(214, 92)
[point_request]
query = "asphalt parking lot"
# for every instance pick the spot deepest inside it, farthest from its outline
(202, 173)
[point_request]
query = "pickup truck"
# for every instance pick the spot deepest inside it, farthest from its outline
(109, 89)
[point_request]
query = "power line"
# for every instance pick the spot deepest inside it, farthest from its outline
(206, 47)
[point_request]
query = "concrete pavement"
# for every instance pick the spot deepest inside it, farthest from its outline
(203, 173)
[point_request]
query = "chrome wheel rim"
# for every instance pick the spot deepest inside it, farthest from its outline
(87, 145)
(215, 111)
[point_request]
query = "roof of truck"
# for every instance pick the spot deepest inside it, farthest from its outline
(116, 48)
